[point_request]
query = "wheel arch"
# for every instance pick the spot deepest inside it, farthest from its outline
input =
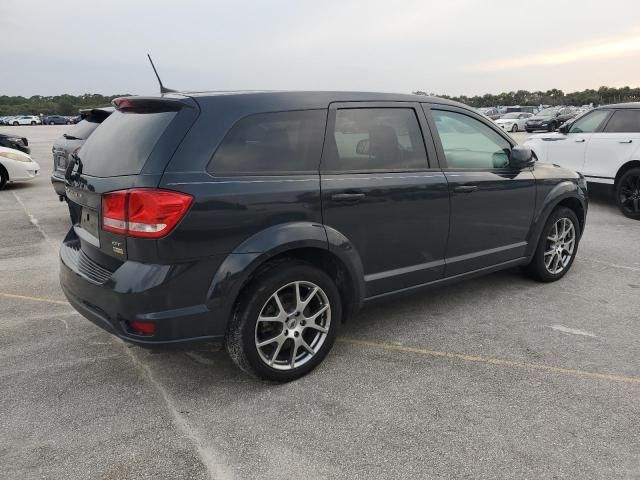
(566, 194)
(4, 170)
(621, 171)
(311, 242)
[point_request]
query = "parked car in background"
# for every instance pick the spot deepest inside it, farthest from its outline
(513, 122)
(75, 119)
(14, 141)
(56, 120)
(550, 118)
(492, 113)
(26, 120)
(264, 219)
(604, 145)
(71, 141)
(16, 166)
(519, 108)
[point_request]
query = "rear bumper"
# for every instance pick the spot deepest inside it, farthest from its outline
(171, 297)
(58, 184)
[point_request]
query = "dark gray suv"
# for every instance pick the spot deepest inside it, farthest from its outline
(266, 219)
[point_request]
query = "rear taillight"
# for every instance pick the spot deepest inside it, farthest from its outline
(143, 212)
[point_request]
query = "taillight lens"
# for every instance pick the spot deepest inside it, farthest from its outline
(143, 212)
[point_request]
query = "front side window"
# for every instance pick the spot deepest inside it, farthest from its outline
(469, 143)
(624, 121)
(272, 144)
(381, 139)
(589, 123)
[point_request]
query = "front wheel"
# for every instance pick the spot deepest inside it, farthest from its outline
(51, 123)
(628, 193)
(33, 123)
(15, 124)
(3, 178)
(557, 246)
(285, 322)
(514, 129)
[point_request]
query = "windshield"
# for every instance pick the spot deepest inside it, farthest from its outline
(82, 130)
(547, 112)
(511, 115)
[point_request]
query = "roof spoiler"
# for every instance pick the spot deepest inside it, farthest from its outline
(149, 104)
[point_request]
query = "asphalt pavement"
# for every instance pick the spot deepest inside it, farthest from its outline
(497, 377)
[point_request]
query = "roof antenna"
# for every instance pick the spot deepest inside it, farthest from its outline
(163, 89)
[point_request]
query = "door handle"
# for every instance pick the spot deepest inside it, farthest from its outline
(626, 141)
(465, 188)
(580, 140)
(347, 197)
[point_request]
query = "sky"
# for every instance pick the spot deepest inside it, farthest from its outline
(452, 47)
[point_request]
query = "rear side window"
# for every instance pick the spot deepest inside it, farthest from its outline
(381, 139)
(123, 143)
(272, 144)
(624, 121)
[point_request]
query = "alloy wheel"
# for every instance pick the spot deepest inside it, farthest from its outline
(560, 245)
(292, 325)
(629, 194)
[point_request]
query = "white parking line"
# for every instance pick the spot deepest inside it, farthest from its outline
(573, 331)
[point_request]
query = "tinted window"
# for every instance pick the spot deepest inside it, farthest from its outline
(383, 139)
(82, 129)
(122, 143)
(271, 144)
(625, 121)
(469, 143)
(589, 123)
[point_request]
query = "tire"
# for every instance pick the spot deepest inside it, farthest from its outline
(272, 359)
(528, 131)
(51, 123)
(538, 268)
(514, 129)
(628, 193)
(15, 124)
(33, 123)
(4, 177)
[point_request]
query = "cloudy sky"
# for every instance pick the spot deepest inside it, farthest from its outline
(446, 46)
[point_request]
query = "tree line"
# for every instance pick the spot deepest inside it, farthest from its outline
(71, 104)
(601, 96)
(59, 104)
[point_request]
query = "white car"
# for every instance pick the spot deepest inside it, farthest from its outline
(604, 145)
(514, 121)
(16, 166)
(26, 120)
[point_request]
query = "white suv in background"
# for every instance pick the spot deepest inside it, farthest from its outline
(26, 120)
(603, 145)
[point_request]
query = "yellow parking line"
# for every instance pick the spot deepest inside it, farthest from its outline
(490, 361)
(33, 299)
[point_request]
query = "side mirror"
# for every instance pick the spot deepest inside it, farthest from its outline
(564, 128)
(362, 148)
(520, 157)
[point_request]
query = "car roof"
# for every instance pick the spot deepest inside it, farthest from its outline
(620, 106)
(310, 99)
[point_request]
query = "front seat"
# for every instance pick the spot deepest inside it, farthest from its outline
(384, 148)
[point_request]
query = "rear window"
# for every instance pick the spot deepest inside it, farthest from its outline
(272, 144)
(82, 129)
(123, 143)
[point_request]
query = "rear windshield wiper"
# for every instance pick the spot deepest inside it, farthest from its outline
(70, 137)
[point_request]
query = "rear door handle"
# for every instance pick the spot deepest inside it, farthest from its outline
(465, 188)
(580, 140)
(626, 141)
(347, 197)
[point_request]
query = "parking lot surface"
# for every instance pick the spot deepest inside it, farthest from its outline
(499, 377)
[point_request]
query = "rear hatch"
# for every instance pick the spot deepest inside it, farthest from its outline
(129, 150)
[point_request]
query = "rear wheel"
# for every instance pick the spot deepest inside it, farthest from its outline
(33, 123)
(557, 246)
(15, 124)
(4, 178)
(628, 193)
(285, 322)
(51, 123)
